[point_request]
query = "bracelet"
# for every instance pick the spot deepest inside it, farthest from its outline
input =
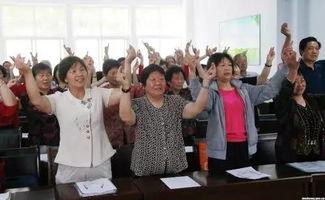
(205, 87)
(126, 90)
(266, 65)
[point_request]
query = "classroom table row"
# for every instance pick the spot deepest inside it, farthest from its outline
(285, 182)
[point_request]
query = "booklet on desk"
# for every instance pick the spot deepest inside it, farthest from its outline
(247, 173)
(96, 187)
(5, 196)
(179, 182)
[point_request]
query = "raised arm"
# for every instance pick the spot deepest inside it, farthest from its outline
(41, 102)
(135, 67)
(193, 108)
(6, 94)
(126, 112)
(34, 58)
(286, 32)
(262, 78)
(208, 52)
(68, 50)
(106, 56)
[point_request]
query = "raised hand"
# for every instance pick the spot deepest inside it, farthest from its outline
(106, 48)
(187, 48)
(179, 55)
(225, 50)
(290, 58)
(131, 54)
(149, 48)
(34, 58)
(20, 65)
(121, 77)
(68, 50)
(12, 82)
(211, 73)
(89, 63)
(140, 56)
(209, 52)
(270, 56)
(285, 50)
(285, 30)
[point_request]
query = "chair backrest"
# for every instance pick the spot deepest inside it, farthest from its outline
(20, 161)
(201, 128)
(121, 162)
(51, 166)
(10, 138)
(266, 149)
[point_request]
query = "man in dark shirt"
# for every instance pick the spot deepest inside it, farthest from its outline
(312, 70)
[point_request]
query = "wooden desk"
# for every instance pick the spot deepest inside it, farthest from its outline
(43, 194)
(126, 190)
(285, 183)
(318, 185)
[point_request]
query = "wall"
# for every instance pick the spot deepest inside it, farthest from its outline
(208, 14)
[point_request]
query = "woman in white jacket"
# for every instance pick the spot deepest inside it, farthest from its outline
(84, 150)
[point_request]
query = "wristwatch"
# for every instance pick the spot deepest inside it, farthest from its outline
(126, 90)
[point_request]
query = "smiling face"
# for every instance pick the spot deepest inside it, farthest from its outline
(300, 85)
(76, 76)
(242, 64)
(311, 52)
(155, 84)
(111, 77)
(177, 81)
(43, 79)
(224, 70)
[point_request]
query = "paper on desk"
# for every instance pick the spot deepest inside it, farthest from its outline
(5, 196)
(179, 182)
(247, 173)
(96, 187)
(309, 167)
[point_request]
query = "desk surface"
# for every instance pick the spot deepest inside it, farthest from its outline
(285, 183)
(126, 190)
(41, 194)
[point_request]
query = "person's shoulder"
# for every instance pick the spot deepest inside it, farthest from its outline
(320, 62)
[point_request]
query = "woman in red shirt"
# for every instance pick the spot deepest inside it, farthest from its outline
(8, 107)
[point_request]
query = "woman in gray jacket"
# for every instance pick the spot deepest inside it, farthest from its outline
(231, 133)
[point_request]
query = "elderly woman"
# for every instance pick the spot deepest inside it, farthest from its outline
(84, 150)
(301, 135)
(159, 146)
(231, 132)
(8, 107)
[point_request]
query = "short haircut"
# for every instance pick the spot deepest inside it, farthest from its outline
(148, 70)
(56, 69)
(216, 58)
(170, 56)
(3, 70)
(120, 60)
(6, 62)
(237, 56)
(66, 64)
(174, 69)
(110, 64)
(303, 43)
(41, 67)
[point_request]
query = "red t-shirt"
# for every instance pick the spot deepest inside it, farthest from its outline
(234, 115)
(8, 115)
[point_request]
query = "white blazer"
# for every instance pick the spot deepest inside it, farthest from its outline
(83, 139)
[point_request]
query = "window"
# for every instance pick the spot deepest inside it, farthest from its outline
(89, 27)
